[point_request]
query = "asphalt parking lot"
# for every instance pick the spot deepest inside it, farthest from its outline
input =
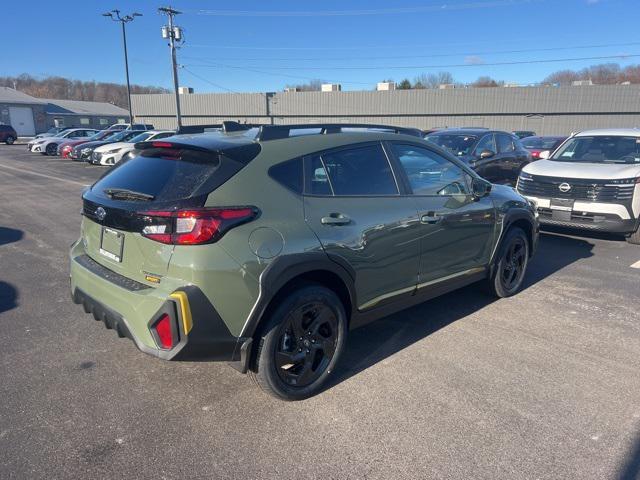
(542, 385)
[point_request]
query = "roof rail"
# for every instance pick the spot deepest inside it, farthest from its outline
(276, 132)
(227, 126)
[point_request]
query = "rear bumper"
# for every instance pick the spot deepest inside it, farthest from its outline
(132, 308)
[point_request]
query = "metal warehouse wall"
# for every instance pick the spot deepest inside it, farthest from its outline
(547, 110)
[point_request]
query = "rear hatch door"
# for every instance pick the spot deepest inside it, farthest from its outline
(116, 208)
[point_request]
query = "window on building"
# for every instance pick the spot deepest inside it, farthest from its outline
(104, 121)
(122, 120)
(85, 121)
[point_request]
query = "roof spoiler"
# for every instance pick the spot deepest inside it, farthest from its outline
(276, 132)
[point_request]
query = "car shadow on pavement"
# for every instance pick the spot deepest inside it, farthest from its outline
(8, 297)
(630, 469)
(10, 235)
(378, 340)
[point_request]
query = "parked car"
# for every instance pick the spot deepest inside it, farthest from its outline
(591, 182)
(264, 248)
(52, 132)
(112, 153)
(49, 145)
(494, 155)
(82, 153)
(523, 133)
(64, 149)
(8, 134)
(538, 145)
(131, 126)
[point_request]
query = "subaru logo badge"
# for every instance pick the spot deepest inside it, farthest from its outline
(564, 187)
(100, 213)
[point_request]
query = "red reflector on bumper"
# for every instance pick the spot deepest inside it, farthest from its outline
(164, 331)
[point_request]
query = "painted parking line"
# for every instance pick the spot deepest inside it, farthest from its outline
(635, 265)
(53, 177)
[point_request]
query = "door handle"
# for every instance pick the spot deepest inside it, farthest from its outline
(431, 218)
(336, 219)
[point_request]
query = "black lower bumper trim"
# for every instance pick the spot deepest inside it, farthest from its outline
(605, 225)
(111, 319)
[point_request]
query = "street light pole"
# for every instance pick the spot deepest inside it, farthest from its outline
(173, 33)
(115, 16)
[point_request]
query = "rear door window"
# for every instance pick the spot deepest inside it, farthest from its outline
(363, 170)
(505, 143)
(486, 143)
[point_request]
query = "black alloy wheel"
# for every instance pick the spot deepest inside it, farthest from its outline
(307, 345)
(510, 265)
(514, 263)
(300, 343)
(9, 140)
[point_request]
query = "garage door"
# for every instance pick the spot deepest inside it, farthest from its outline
(22, 120)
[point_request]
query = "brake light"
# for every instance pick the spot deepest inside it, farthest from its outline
(194, 227)
(162, 144)
(164, 331)
(535, 153)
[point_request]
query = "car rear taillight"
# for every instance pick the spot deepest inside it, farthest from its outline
(194, 226)
(535, 153)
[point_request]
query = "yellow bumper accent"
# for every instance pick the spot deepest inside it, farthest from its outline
(185, 310)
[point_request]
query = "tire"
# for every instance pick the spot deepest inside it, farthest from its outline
(634, 238)
(51, 149)
(301, 343)
(9, 140)
(511, 264)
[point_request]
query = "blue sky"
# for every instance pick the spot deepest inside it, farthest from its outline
(262, 46)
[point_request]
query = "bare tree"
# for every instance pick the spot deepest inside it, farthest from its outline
(432, 80)
(310, 86)
(65, 89)
(485, 81)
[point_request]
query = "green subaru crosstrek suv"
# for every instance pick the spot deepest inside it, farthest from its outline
(263, 247)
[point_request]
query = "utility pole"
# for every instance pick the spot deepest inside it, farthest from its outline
(173, 33)
(115, 16)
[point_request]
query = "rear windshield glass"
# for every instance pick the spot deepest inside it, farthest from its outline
(539, 142)
(457, 144)
(600, 149)
(162, 174)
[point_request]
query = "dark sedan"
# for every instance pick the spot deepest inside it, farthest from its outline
(497, 156)
(538, 145)
(82, 152)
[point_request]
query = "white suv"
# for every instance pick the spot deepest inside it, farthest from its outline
(591, 182)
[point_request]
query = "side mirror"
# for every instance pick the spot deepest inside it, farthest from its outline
(480, 188)
(544, 154)
(486, 154)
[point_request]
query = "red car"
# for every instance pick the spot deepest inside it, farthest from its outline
(64, 149)
(537, 145)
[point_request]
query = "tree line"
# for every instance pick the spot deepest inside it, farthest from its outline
(61, 88)
(603, 74)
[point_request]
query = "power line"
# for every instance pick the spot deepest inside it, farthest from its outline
(279, 75)
(206, 80)
(436, 55)
(415, 67)
(367, 12)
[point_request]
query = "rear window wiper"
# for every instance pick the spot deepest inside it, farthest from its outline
(124, 193)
